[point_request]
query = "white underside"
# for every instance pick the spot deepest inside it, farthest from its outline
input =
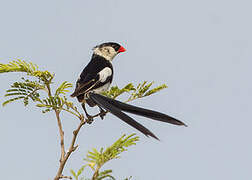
(101, 89)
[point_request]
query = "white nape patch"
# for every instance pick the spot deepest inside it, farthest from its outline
(107, 52)
(101, 89)
(104, 74)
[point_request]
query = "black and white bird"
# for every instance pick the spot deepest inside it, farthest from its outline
(97, 77)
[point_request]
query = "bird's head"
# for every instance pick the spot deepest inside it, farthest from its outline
(108, 50)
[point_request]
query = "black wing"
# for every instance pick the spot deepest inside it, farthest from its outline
(89, 77)
(82, 85)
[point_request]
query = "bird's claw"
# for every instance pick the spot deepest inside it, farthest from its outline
(90, 119)
(102, 114)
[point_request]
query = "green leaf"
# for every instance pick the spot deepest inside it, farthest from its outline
(105, 174)
(18, 66)
(46, 110)
(112, 152)
(27, 89)
(13, 99)
(62, 89)
(27, 67)
(141, 90)
(155, 90)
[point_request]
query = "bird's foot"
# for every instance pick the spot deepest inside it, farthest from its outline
(102, 114)
(90, 119)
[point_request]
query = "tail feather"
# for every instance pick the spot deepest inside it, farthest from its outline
(118, 113)
(141, 111)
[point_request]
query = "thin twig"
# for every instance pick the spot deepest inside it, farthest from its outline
(62, 145)
(95, 175)
(66, 177)
(71, 149)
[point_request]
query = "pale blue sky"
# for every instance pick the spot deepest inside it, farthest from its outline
(201, 49)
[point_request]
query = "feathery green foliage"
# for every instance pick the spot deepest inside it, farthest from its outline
(105, 174)
(18, 66)
(23, 90)
(115, 91)
(58, 103)
(29, 68)
(63, 88)
(112, 152)
(27, 89)
(96, 159)
(135, 92)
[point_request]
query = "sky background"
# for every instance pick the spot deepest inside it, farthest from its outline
(201, 49)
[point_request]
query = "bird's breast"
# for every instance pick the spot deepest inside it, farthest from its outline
(101, 89)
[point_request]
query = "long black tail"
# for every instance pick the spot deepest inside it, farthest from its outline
(118, 113)
(115, 107)
(141, 111)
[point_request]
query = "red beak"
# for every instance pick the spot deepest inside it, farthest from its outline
(121, 49)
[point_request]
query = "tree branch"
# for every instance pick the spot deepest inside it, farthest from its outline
(61, 132)
(95, 175)
(71, 149)
(66, 177)
(56, 102)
